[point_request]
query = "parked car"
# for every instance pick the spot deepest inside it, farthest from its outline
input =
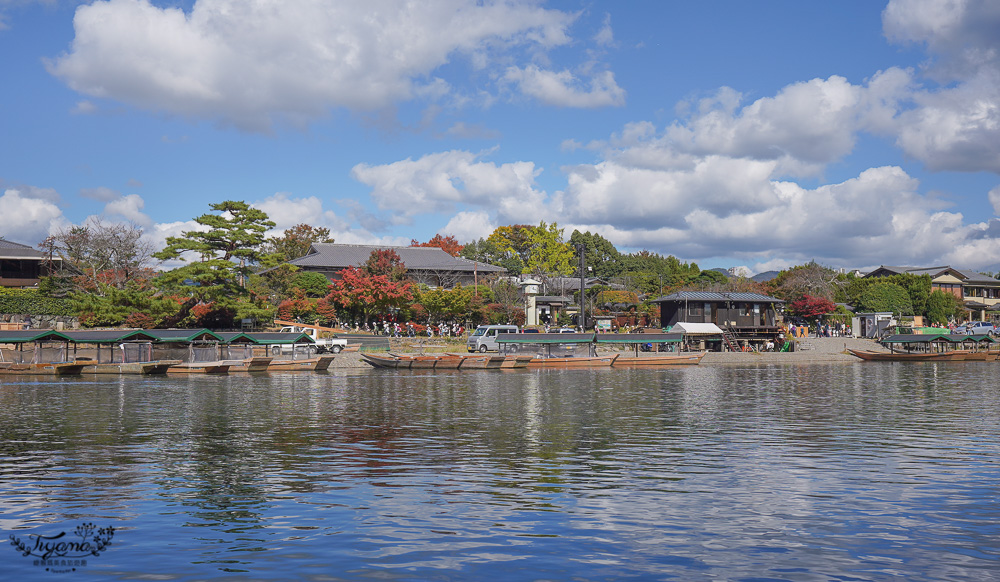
(979, 328)
(485, 337)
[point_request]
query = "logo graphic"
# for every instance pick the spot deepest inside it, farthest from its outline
(62, 553)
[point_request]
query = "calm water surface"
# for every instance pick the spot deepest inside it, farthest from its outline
(816, 472)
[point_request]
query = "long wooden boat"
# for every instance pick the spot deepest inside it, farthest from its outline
(869, 355)
(317, 364)
(573, 362)
(387, 361)
(45, 369)
(130, 368)
(218, 367)
(254, 364)
(671, 359)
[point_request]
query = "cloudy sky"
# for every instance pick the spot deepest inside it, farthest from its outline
(765, 134)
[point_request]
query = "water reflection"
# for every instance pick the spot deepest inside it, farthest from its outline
(867, 471)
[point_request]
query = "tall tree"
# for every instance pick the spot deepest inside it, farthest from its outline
(100, 255)
(386, 263)
(548, 252)
(599, 253)
(293, 243)
(223, 250)
(367, 295)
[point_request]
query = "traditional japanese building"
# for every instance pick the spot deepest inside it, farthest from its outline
(743, 316)
(21, 266)
(428, 265)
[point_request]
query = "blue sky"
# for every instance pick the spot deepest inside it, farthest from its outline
(763, 134)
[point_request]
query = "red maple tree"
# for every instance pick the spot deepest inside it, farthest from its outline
(447, 243)
(809, 306)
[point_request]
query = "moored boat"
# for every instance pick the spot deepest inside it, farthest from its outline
(317, 364)
(386, 360)
(43, 369)
(665, 359)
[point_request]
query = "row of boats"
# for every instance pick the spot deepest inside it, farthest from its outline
(171, 351)
(253, 364)
(490, 361)
(932, 348)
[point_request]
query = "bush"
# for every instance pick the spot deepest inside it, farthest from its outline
(31, 302)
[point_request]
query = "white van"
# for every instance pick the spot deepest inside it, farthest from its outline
(484, 339)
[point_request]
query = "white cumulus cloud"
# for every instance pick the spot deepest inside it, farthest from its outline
(251, 63)
(440, 182)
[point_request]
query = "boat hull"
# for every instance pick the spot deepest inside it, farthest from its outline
(132, 368)
(254, 364)
(317, 364)
(908, 357)
(680, 359)
(50, 369)
(199, 368)
(582, 362)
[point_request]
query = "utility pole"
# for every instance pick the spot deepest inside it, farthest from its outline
(583, 288)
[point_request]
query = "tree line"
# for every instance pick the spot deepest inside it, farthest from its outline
(227, 270)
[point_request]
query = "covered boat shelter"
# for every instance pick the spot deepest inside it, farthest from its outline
(655, 342)
(242, 345)
(113, 346)
(548, 345)
(47, 346)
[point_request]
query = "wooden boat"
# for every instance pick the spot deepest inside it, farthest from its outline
(45, 369)
(666, 359)
(516, 361)
(573, 362)
(387, 361)
(317, 364)
(130, 368)
(254, 364)
(949, 356)
(218, 367)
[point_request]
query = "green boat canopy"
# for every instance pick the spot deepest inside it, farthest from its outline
(113, 336)
(183, 335)
(22, 336)
(916, 338)
(545, 338)
(639, 338)
(265, 338)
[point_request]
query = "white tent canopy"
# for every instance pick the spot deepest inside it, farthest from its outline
(696, 328)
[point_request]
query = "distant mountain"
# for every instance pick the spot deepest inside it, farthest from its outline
(765, 276)
(723, 271)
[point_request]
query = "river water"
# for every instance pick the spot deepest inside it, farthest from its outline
(868, 471)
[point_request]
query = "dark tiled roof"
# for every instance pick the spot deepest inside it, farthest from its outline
(338, 256)
(966, 275)
(11, 249)
(716, 296)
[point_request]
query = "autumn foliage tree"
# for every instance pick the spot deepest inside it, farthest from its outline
(811, 307)
(448, 244)
(373, 289)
